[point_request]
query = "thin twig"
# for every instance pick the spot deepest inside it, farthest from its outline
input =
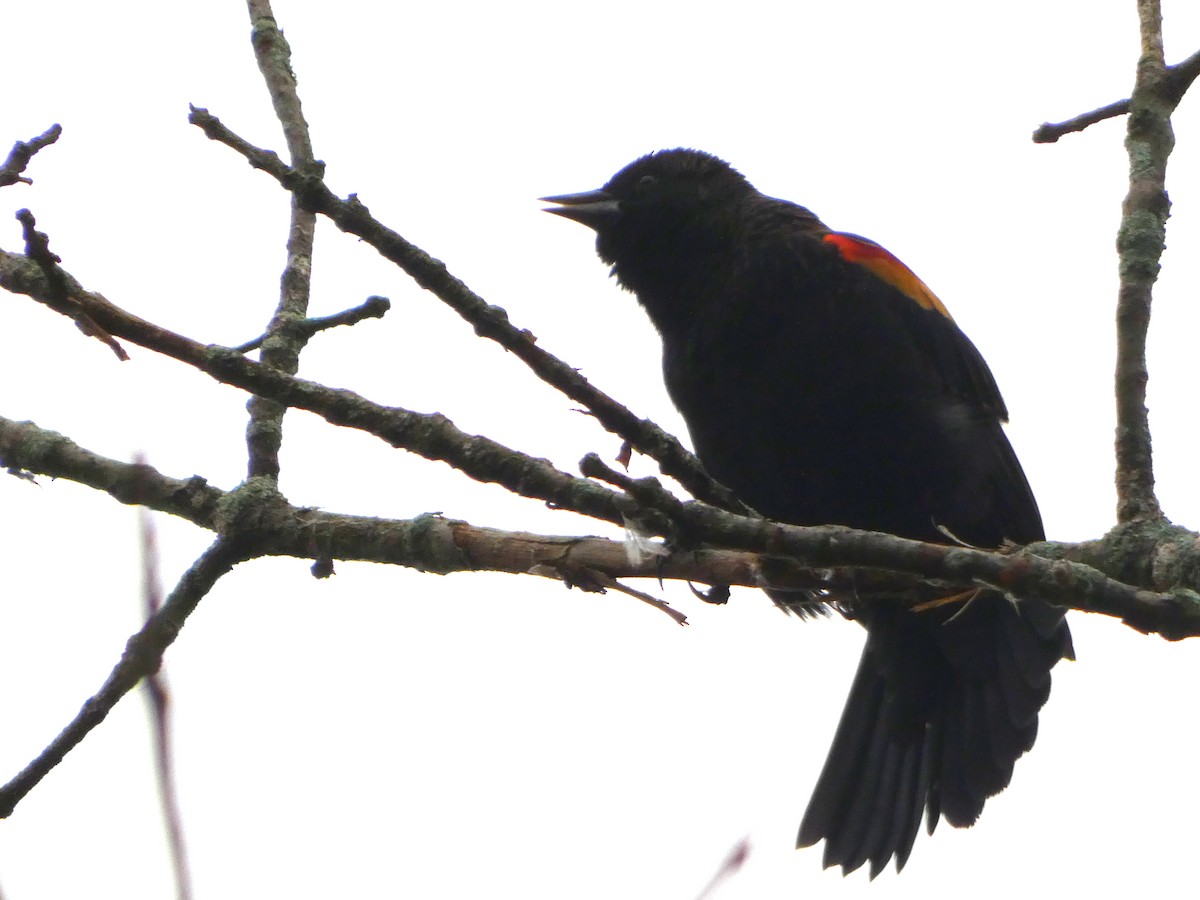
(371, 308)
(59, 298)
(143, 655)
(1179, 78)
(596, 581)
(1048, 133)
(731, 865)
(1181, 75)
(158, 699)
(22, 152)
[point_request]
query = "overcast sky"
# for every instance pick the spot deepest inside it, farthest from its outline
(390, 734)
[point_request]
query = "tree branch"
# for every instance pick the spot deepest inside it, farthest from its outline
(430, 435)
(143, 655)
(1179, 78)
(1141, 237)
(1048, 133)
(58, 296)
(371, 308)
(489, 321)
(21, 154)
(158, 699)
(282, 344)
(1158, 561)
(26, 448)
(1140, 241)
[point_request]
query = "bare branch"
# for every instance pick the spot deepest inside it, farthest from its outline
(1179, 78)
(430, 435)
(22, 152)
(733, 863)
(1158, 89)
(274, 58)
(282, 345)
(1140, 241)
(489, 321)
(1048, 133)
(600, 582)
(371, 308)
(27, 448)
(143, 655)
(37, 248)
(158, 698)
(864, 567)
(1181, 75)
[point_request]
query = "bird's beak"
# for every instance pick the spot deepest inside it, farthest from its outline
(595, 209)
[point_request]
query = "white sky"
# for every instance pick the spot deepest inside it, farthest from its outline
(388, 734)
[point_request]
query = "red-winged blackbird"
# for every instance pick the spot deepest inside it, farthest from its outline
(824, 383)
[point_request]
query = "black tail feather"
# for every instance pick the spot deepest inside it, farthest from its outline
(926, 731)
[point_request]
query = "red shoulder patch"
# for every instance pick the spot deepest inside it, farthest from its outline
(880, 263)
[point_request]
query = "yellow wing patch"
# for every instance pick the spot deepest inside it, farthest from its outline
(887, 268)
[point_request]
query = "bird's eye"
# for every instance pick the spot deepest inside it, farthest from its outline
(645, 183)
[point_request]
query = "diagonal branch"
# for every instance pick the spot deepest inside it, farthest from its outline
(142, 656)
(1048, 133)
(58, 297)
(27, 449)
(21, 154)
(430, 435)
(489, 321)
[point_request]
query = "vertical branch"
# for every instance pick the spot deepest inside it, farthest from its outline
(274, 58)
(285, 337)
(1140, 242)
(158, 699)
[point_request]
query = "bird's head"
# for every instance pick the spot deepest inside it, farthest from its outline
(659, 208)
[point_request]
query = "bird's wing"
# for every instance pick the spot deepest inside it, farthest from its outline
(950, 349)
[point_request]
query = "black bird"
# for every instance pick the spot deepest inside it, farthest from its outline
(824, 383)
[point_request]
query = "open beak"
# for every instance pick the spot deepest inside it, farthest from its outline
(595, 209)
